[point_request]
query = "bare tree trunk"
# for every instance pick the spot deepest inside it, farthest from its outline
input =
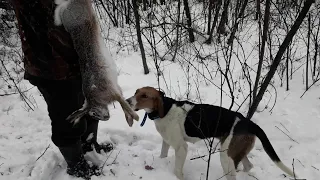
(236, 10)
(263, 44)
(127, 12)
(224, 18)
(279, 55)
(210, 9)
(258, 13)
(218, 4)
(121, 14)
(308, 52)
(114, 13)
(287, 67)
(316, 46)
(143, 55)
(177, 32)
(108, 13)
(235, 28)
(144, 5)
(189, 21)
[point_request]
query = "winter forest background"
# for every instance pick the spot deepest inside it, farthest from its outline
(258, 57)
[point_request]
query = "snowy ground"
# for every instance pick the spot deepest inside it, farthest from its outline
(25, 135)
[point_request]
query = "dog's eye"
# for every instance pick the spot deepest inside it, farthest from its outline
(144, 96)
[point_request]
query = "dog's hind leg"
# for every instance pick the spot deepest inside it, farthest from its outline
(226, 155)
(247, 165)
(239, 148)
(227, 162)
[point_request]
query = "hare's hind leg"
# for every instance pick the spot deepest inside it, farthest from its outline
(128, 111)
(125, 106)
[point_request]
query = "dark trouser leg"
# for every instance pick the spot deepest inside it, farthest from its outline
(62, 98)
(92, 131)
(90, 136)
(89, 139)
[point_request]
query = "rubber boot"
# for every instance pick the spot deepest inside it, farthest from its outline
(89, 139)
(77, 165)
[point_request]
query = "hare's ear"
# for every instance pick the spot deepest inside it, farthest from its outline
(76, 116)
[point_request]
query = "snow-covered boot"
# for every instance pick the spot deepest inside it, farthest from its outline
(77, 165)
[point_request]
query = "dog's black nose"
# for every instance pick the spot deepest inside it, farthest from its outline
(129, 101)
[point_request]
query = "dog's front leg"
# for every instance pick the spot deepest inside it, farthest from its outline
(180, 157)
(164, 149)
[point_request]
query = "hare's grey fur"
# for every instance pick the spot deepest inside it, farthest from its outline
(98, 70)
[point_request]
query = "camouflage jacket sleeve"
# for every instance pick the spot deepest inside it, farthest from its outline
(48, 49)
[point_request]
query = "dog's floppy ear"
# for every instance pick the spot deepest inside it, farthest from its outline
(158, 104)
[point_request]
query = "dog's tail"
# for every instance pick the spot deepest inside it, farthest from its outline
(61, 6)
(253, 128)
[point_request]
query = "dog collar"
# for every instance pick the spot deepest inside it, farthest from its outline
(151, 117)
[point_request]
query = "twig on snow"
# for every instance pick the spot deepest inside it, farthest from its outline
(112, 172)
(287, 135)
(314, 82)
(43, 153)
(311, 166)
(8, 94)
(13, 93)
(223, 176)
(300, 162)
(253, 176)
(114, 161)
(24, 98)
(284, 127)
(294, 174)
(106, 160)
(207, 155)
(101, 168)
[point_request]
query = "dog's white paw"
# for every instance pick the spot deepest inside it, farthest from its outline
(247, 167)
(162, 156)
(178, 174)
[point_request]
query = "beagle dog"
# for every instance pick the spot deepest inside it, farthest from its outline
(179, 122)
